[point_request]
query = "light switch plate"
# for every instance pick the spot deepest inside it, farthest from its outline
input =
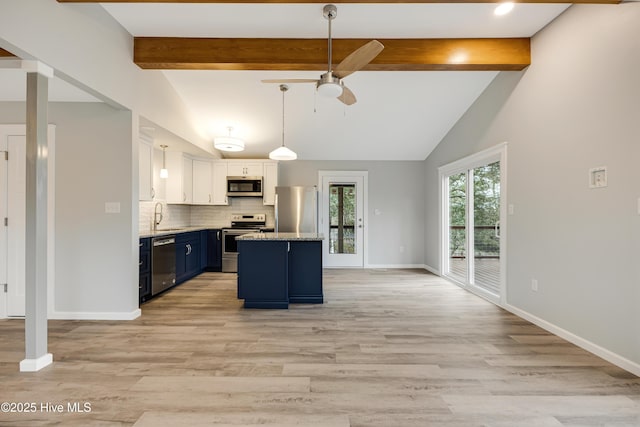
(112, 207)
(598, 177)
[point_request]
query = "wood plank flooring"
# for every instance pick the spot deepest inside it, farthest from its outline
(388, 348)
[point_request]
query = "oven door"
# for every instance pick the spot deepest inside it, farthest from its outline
(230, 248)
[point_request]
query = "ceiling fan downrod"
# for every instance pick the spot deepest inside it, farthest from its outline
(330, 11)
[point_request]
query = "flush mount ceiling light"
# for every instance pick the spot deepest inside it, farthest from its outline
(228, 143)
(164, 173)
(503, 8)
(282, 152)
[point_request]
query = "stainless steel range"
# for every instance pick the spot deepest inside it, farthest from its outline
(240, 224)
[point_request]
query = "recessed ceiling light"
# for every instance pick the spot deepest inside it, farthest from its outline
(503, 8)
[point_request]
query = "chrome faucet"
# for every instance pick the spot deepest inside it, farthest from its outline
(157, 216)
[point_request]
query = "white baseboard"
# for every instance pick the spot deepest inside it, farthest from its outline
(431, 269)
(79, 315)
(607, 355)
(394, 266)
(33, 365)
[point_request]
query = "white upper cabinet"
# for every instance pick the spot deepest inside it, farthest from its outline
(202, 182)
(219, 183)
(145, 168)
(196, 181)
(269, 183)
(244, 168)
(179, 188)
(159, 184)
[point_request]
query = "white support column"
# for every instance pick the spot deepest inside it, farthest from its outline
(36, 329)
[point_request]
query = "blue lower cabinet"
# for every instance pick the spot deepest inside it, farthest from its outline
(305, 272)
(144, 273)
(214, 250)
(188, 256)
(263, 272)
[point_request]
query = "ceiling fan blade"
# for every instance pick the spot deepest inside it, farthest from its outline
(358, 59)
(290, 81)
(347, 97)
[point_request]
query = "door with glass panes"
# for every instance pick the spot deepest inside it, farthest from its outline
(472, 217)
(342, 219)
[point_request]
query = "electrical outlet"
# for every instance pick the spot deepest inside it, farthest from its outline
(534, 285)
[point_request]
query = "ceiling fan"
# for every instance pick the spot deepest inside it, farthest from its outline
(330, 83)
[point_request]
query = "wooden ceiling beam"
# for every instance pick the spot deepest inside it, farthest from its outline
(311, 54)
(340, 1)
(6, 54)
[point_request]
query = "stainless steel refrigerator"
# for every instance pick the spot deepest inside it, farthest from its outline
(297, 209)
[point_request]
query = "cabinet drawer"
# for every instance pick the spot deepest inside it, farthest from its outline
(145, 265)
(145, 256)
(144, 287)
(145, 244)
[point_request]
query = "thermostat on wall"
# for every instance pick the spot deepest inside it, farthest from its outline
(598, 177)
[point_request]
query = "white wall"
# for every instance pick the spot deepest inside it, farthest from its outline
(396, 189)
(86, 46)
(576, 107)
(95, 273)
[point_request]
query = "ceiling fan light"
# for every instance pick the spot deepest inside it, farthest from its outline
(282, 153)
(330, 90)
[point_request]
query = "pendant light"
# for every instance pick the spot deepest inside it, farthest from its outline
(228, 143)
(282, 152)
(164, 173)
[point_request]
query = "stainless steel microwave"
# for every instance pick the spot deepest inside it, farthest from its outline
(244, 186)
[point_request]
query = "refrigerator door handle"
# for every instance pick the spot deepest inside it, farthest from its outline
(275, 203)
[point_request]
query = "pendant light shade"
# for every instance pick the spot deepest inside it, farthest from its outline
(228, 143)
(164, 173)
(282, 152)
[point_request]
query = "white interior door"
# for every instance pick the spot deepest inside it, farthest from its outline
(4, 205)
(13, 207)
(343, 218)
(16, 225)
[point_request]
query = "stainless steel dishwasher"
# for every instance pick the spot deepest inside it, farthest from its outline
(163, 264)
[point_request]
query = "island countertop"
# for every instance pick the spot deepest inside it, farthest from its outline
(290, 237)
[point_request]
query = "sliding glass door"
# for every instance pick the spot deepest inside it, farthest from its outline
(472, 201)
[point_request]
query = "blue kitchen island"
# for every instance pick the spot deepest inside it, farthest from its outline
(276, 269)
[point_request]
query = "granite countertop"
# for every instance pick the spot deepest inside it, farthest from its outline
(170, 231)
(282, 236)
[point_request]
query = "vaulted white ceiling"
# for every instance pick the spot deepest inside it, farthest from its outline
(398, 116)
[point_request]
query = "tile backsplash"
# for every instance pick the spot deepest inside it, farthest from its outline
(176, 216)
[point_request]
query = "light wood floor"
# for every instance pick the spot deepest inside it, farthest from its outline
(388, 348)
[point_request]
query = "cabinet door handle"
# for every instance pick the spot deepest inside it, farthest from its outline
(184, 197)
(209, 198)
(140, 264)
(153, 193)
(140, 244)
(188, 249)
(218, 235)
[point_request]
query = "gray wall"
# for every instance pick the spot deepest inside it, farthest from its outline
(576, 107)
(95, 267)
(396, 189)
